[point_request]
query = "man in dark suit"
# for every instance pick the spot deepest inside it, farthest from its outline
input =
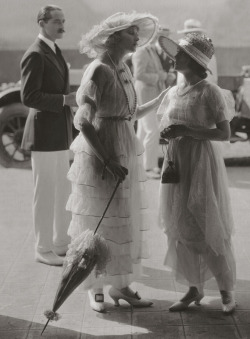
(48, 134)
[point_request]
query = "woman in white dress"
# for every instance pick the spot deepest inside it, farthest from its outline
(195, 212)
(107, 149)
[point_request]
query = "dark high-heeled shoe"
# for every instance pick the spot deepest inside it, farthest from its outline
(192, 295)
(228, 302)
(132, 298)
(96, 301)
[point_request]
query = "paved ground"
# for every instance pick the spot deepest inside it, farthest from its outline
(28, 288)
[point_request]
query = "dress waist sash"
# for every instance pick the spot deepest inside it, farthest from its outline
(115, 118)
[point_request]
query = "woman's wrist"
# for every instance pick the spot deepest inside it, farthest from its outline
(106, 162)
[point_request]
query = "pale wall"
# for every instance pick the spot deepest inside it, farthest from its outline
(229, 62)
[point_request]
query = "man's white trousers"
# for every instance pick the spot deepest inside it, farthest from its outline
(51, 192)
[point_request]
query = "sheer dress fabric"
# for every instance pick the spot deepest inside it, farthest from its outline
(102, 95)
(196, 213)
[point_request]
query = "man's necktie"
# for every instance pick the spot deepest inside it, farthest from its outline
(58, 51)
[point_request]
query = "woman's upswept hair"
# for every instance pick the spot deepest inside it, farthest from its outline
(45, 12)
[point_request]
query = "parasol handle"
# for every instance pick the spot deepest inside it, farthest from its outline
(111, 198)
(45, 326)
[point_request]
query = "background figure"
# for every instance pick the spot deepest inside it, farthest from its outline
(150, 80)
(48, 134)
(107, 145)
(195, 211)
(166, 62)
(195, 26)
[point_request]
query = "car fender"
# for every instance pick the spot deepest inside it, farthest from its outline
(10, 96)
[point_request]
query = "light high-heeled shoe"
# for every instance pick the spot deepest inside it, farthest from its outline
(192, 295)
(228, 302)
(96, 301)
(126, 294)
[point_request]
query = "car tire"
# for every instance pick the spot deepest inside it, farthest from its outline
(12, 122)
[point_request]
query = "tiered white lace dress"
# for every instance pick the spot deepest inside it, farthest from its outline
(196, 213)
(106, 98)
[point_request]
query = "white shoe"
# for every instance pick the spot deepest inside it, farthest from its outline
(133, 298)
(192, 295)
(61, 250)
(228, 302)
(96, 299)
(49, 258)
(157, 170)
(152, 174)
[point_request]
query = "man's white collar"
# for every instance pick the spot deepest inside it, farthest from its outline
(48, 42)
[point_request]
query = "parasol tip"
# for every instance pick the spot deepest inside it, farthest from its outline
(45, 326)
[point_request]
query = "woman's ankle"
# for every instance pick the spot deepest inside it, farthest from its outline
(127, 291)
(96, 298)
(199, 288)
(98, 290)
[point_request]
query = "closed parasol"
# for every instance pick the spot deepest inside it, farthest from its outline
(87, 252)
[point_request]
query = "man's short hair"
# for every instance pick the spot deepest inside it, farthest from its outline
(45, 12)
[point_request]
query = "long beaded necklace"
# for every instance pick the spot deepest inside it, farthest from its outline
(128, 90)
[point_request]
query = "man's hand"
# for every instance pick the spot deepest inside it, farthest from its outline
(163, 75)
(70, 99)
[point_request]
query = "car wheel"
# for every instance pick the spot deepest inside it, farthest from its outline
(12, 122)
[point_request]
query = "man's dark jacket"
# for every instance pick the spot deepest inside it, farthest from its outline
(44, 80)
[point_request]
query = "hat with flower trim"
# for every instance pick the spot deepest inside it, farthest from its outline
(198, 46)
(93, 43)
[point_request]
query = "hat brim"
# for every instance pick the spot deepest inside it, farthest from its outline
(191, 30)
(93, 42)
(147, 25)
(171, 48)
(147, 30)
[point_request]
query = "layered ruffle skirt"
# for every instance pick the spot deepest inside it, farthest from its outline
(196, 214)
(123, 225)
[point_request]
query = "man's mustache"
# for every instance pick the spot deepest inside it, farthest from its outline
(61, 30)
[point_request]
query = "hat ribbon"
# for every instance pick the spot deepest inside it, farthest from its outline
(194, 51)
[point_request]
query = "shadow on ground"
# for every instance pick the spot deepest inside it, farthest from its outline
(14, 328)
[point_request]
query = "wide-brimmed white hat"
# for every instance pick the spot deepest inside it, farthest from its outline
(192, 26)
(93, 43)
(198, 46)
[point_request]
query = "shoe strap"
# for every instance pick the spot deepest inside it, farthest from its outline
(99, 298)
(137, 295)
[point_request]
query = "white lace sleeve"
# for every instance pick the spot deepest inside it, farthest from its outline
(221, 102)
(162, 112)
(230, 103)
(83, 112)
(87, 99)
(87, 93)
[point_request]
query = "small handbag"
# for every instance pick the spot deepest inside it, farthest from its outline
(170, 175)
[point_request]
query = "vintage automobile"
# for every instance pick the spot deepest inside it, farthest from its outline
(240, 125)
(13, 115)
(240, 88)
